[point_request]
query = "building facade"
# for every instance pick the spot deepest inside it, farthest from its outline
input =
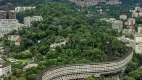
(138, 38)
(7, 14)
(118, 24)
(12, 14)
(138, 48)
(127, 31)
(3, 14)
(135, 14)
(123, 17)
(138, 43)
(131, 22)
(5, 70)
(139, 30)
(8, 25)
(137, 8)
(113, 2)
(28, 20)
(87, 2)
(94, 2)
(20, 9)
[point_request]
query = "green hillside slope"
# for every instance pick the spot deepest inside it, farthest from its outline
(87, 37)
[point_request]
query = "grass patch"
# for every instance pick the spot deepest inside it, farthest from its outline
(21, 78)
(24, 60)
(20, 64)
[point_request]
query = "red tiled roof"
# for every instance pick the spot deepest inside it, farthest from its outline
(19, 39)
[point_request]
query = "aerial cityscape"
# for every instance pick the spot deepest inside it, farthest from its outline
(70, 39)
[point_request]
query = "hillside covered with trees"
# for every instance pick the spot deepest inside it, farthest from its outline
(131, 1)
(86, 35)
(28, 2)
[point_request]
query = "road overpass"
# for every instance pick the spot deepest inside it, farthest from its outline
(79, 71)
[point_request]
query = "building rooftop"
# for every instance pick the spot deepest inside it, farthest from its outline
(138, 35)
(30, 66)
(2, 65)
(123, 39)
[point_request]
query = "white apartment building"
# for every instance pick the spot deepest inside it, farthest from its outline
(87, 2)
(113, 2)
(94, 2)
(126, 31)
(28, 20)
(20, 9)
(5, 70)
(139, 30)
(118, 24)
(140, 14)
(135, 14)
(138, 48)
(128, 42)
(138, 38)
(8, 25)
(110, 20)
(54, 45)
(131, 22)
(138, 43)
(137, 8)
(6, 22)
(140, 10)
(123, 17)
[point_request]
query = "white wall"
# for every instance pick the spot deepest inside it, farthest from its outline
(1, 72)
(138, 48)
(140, 30)
(138, 38)
(5, 70)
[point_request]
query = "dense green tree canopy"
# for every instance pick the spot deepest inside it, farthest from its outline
(87, 37)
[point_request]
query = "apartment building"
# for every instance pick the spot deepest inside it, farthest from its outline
(123, 17)
(94, 2)
(135, 14)
(7, 14)
(139, 30)
(12, 14)
(137, 8)
(5, 70)
(28, 20)
(118, 24)
(8, 25)
(131, 22)
(138, 48)
(113, 2)
(20, 9)
(138, 43)
(110, 20)
(127, 31)
(87, 2)
(59, 44)
(3, 14)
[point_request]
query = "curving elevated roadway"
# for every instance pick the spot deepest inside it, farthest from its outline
(85, 70)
